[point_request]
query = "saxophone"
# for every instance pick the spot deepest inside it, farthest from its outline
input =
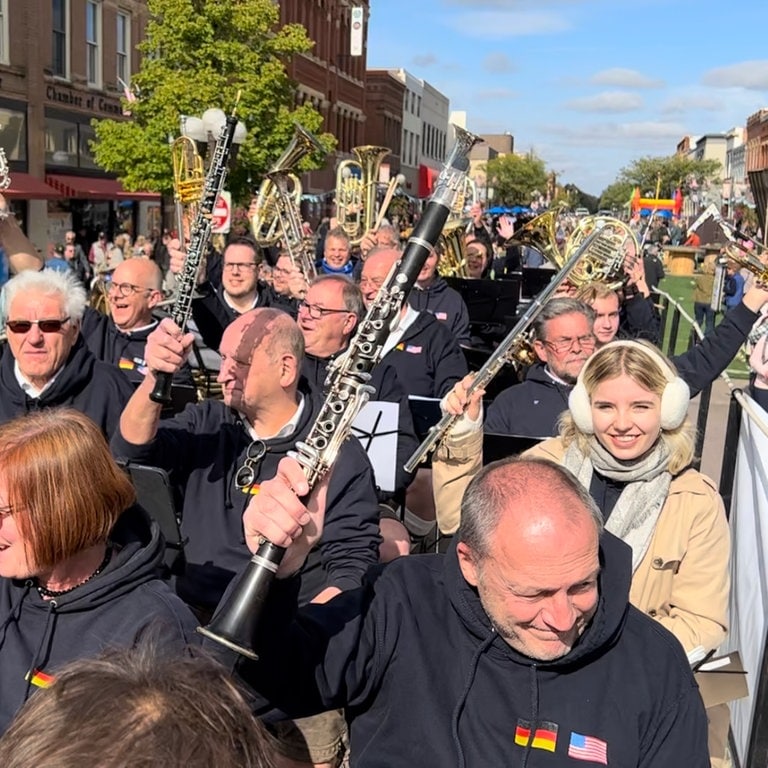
(236, 620)
(198, 245)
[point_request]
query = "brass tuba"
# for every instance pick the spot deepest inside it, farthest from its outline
(265, 221)
(356, 191)
(540, 234)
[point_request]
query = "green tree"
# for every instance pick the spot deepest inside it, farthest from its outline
(199, 54)
(669, 173)
(515, 177)
(616, 196)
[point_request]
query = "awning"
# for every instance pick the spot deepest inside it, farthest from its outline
(79, 187)
(30, 188)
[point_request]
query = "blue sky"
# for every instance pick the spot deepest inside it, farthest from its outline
(589, 85)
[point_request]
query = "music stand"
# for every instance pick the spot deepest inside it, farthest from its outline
(535, 280)
(493, 302)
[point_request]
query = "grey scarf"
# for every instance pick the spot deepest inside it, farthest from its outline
(634, 517)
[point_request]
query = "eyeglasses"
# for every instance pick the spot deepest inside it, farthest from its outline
(237, 265)
(246, 475)
(126, 289)
(374, 282)
(45, 326)
(281, 271)
(316, 312)
(565, 345)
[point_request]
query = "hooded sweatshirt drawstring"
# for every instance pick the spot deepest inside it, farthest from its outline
(42, 645)
(534, 712)
(463, 698)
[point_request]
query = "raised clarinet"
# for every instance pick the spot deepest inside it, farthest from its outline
(201, 230)
(236, 620)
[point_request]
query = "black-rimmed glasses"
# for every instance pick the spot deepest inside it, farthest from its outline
(126, 289)
(45, 326)
(246, 475)
(316, 312)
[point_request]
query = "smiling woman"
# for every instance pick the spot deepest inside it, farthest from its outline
(627, 438)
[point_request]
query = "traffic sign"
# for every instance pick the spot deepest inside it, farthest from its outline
(222, 214)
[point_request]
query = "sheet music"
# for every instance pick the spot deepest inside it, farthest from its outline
(376, 428)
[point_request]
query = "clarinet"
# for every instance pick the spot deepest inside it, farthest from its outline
(236, 620)
(201, 236)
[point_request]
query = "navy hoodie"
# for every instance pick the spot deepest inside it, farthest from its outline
(84, 383)
(123, 349)
(428, 359)
(114, 609)
(446, 304)
(203, 447)
(426, 680)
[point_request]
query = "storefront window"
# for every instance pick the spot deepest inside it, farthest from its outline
(87, 135)
(60, 142)
(13, 133)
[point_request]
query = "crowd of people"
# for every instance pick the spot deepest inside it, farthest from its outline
(538, 610)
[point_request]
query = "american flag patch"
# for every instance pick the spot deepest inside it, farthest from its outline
(414, 350)
(588, 748)
(441, 315)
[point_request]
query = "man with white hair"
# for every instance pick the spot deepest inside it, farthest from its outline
(46, 362)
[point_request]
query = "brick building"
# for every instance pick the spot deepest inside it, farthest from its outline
(61, 62)
(333, 81)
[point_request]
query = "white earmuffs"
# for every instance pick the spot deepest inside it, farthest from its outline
(674, 399)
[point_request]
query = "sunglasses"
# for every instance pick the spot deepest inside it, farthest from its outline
(46, 326)
(246, 475)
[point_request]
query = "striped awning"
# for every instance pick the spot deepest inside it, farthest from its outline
(87, 187)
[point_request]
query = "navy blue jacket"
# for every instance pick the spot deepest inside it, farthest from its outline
(84, 383)
(428, 359)
(531, 409)
(113, 609)
(426, 680)
(123, 349)
(388, 389)
(446, 304)
(202, 448)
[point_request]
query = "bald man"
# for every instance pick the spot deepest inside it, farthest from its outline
(134, 294)
(517, 647)
(218, 453)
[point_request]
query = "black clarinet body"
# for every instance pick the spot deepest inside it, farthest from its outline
(201, 230)
(236, 620)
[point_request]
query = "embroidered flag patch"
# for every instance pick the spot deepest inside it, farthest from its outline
(588, 748)
(441, 315)
(251, 489)
(414, 350)
(39, 678)
(400, 347)
(544, 737)
(125, 364)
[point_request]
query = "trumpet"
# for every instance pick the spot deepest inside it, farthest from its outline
(188, 181)
(356, 191)
(266, 225)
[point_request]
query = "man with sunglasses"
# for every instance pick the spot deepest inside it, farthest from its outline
(46, 362)
(134, 293)
(218, 453)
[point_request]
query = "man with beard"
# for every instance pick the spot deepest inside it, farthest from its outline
(134, 292)
(512, 649)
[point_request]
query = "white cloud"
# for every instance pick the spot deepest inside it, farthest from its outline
(752, 75)
(647, 134)
(608, 101)
(498, 63)
(624, 78)
(424, 60)
(685, 103)
(499, 25)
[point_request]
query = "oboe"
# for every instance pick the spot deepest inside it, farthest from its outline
(200, 238)
(235, 622)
